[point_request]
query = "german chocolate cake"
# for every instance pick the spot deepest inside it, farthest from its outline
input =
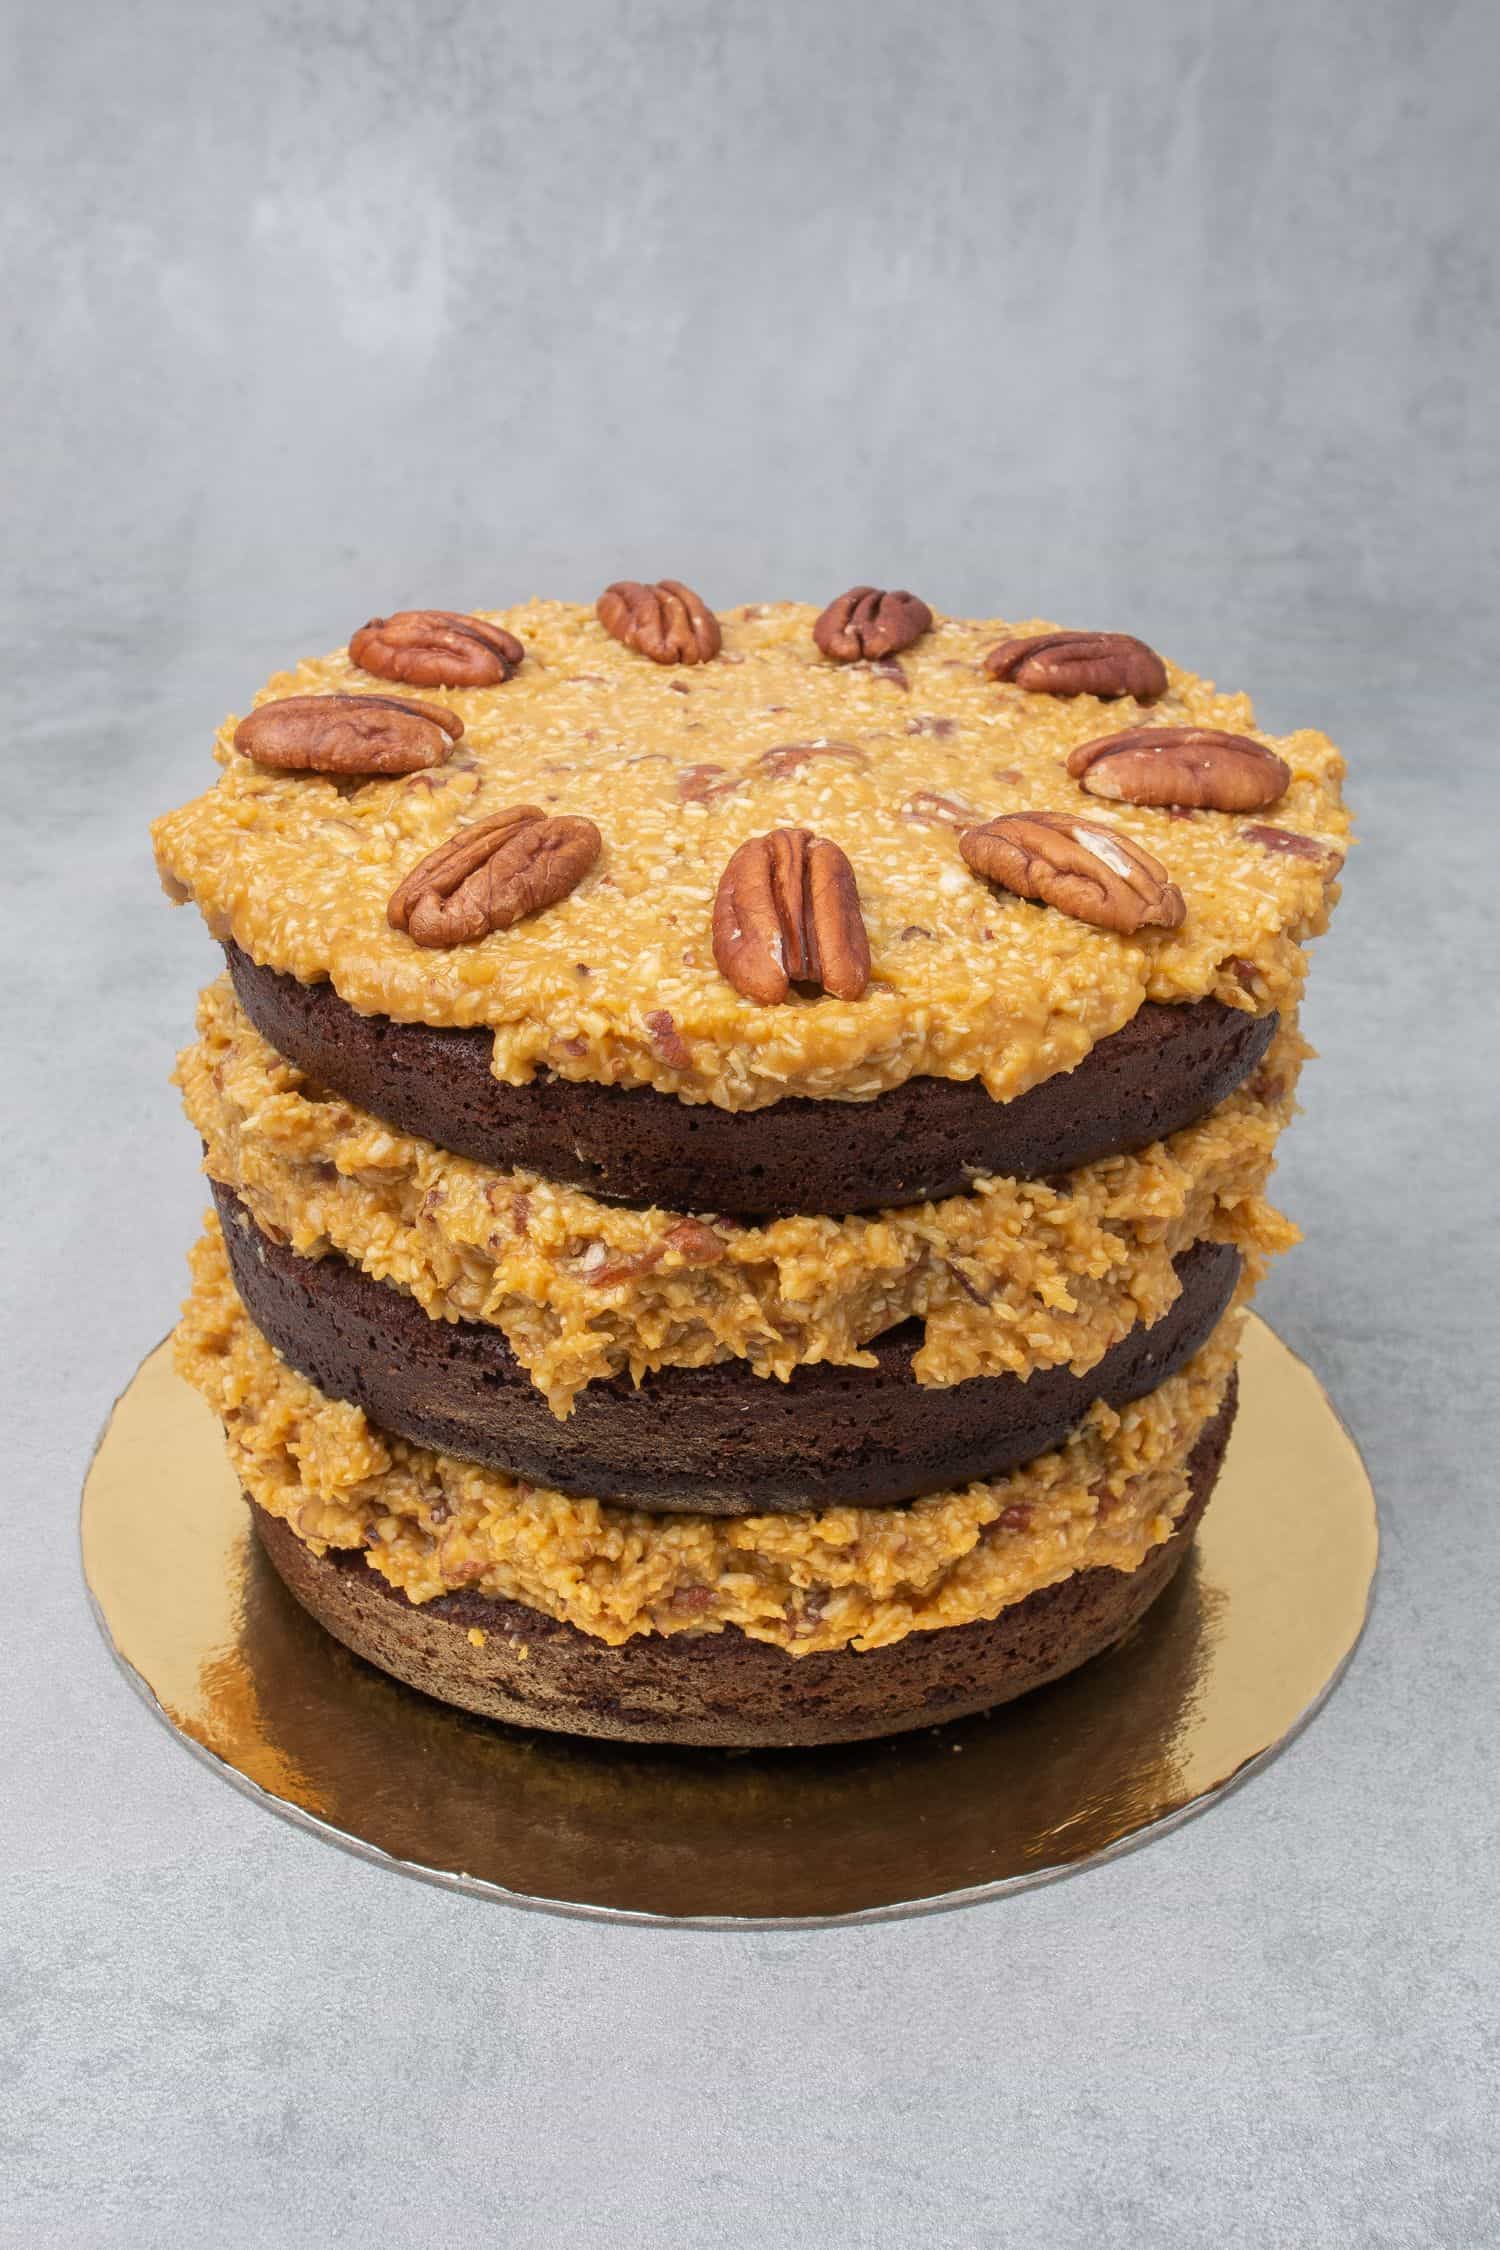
(739, 1145)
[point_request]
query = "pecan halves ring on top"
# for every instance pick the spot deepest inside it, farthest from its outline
(868, 623)
(347, 735)
(1102, 664)
(667, 622)
(787, 912)
(1079, 866)
(436, 648)
(489, 876)
(1196, 766)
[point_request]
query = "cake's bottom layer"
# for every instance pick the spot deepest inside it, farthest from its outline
(724, 1690)
(823, 1579)
(716, 1440)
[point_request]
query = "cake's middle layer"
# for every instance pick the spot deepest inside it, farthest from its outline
(1017, 1276)
(834, 1578)
(710, 1439)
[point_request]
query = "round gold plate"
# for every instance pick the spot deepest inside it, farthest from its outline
(1236, 1656)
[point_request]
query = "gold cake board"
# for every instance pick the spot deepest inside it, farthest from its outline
(1235, 1658)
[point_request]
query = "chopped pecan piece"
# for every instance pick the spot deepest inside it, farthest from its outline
(785, 760)
(869, 623)
(973, 1293)
(347, 735)
(787, 912)
(489, 876)
(625, 1265)
(1079, 866)
(666, 1040)
(1292, 844)
(1102, 664)
(459, 1565)
(934, 808)
(691, 1601)
(694, 1243)
(436, 648)
(1196, 767)
(706, 784)
(667, 622)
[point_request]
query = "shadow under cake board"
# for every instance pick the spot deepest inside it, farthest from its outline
(1237, 1655)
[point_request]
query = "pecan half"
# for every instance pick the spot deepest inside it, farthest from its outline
(347, 734)
(667, 622)
(1102, 664)
(1079, 866)
(1194, 766)
(436, 648)
(787, 912)
(785, 760)
(868, 622)
(489, 876)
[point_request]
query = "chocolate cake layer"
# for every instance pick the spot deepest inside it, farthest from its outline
(927, 1138)
(724, 1689)
(717, 1440)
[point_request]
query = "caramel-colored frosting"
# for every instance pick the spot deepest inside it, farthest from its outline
(678, 766)
(840, 1578)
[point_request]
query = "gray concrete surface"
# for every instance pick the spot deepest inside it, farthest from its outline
(1181, 319)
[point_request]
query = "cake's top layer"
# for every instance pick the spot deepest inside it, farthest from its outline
(677, 766)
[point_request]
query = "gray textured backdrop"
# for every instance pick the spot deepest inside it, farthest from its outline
(1181, 319)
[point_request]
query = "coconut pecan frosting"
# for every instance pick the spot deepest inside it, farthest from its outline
(768, 850)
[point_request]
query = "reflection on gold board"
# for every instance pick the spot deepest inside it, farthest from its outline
(1244, 1645)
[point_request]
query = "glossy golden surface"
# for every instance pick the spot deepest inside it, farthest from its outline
(1236, 1656)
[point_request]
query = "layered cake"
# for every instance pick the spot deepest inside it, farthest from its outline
(738, 1144)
